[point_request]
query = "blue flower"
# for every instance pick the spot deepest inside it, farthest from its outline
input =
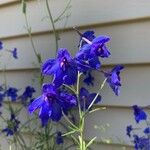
(63, 68)
(51, 103)
(27, 93)
(59, 138)
(1, 45)
(139, 114)
(12, 93)
(92, 50)
(86, 98)
(147, 130)
(14, 53)
(129, 129)
(88, 35)
(13, 125)
(113, 78)
(89, 79)
(141, 143)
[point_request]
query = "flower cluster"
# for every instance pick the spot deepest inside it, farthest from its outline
(11, 94)
(65, 69)
(142, 141)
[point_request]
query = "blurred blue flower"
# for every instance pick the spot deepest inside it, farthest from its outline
(139, 114)
(1, 45)
(147, 130)
(86, 98)
(12, 93)
(13, 125)
(59, 138)
(141, 143)
(129, 129)
(113, 78)
(28, 93)
(63, 68)
(14, 53)
(51, 103)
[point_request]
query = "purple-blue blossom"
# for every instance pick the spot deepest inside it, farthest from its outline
(51, 104)
(12, 93)
(139, 114)
(14, 53)
(113, 78)
(129, 129)
(94, 49)
(28, 93)
(63, 68)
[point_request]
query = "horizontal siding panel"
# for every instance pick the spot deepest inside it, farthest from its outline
(89, 12)
(114, 121)
(134, 90)
(129, 45)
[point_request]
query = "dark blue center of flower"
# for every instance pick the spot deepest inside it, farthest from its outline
(50, 97)
(64, 64)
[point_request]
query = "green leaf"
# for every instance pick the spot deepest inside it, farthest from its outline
(90, 142)
(68, 133)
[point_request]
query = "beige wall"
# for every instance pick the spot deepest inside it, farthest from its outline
(128, 24)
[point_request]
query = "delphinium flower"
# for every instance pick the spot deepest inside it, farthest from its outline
(27, 94)
(14, 53)
(113, 78)
(13, 125)
(139, 114)
(63, 68)
(51, 103)
(94, 49)
(142, 141)
(12, 93)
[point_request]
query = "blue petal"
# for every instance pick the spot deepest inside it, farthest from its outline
(48, 88)
(58, 78)
(36, 104)
(71, 76)
(101, 39)
(50, 66)
(63, 53)
(56, 112)
(45, 113)
(94, 63)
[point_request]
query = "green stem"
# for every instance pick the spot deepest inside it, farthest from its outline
(77, 93)
(53, 24)
(102, 85)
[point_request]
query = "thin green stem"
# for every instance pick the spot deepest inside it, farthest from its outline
(53, 25)
(101, 87)
(77, 93)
